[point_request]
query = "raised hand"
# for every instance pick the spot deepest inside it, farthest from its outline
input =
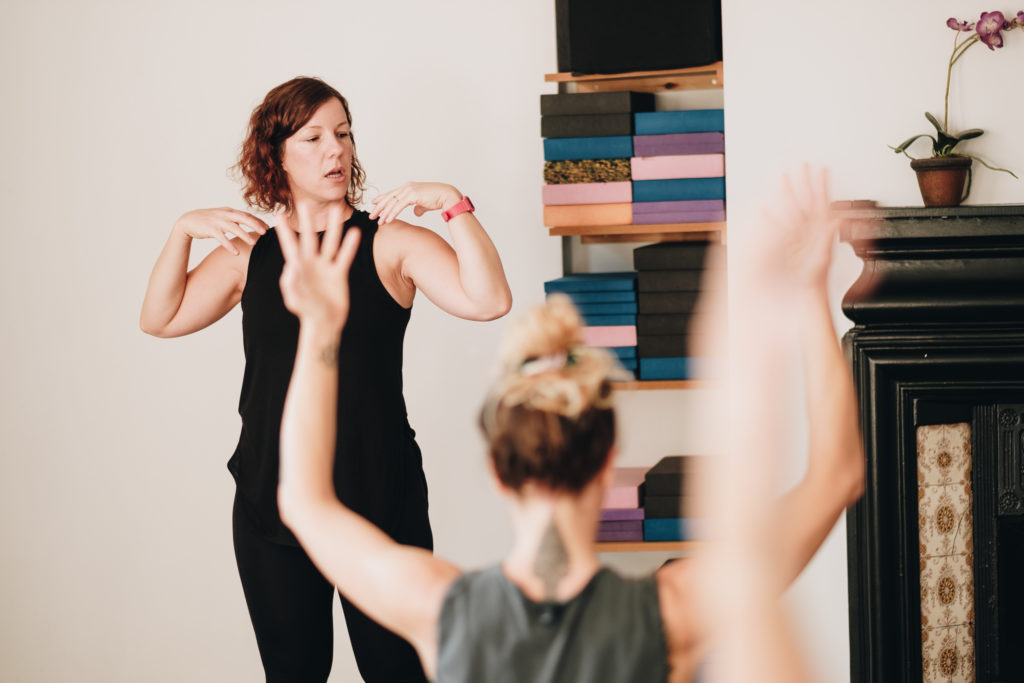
(794, 246)
(314, 282)
(422, 197)
(219, 223)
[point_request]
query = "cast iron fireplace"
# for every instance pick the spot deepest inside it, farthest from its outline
(936, 545)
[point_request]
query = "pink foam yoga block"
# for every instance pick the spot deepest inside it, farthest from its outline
(678, 166)
(610, 335)
(588, 193)
(625, 489)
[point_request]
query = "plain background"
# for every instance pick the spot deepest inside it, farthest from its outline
(119, 116)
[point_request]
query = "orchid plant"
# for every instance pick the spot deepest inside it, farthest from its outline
(989, 31)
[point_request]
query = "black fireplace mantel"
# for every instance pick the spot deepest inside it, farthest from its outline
(937, 265)
(939, 328)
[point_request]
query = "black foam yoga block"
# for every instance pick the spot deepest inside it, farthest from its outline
(663, 345)
(666, 478)
(612, 36)
(668, 256)
(664, 323)
(666, 302)
(669, 280)
(616, 102)
(665, 507)
(586, 125)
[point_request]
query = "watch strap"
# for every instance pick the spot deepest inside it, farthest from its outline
(462, 206)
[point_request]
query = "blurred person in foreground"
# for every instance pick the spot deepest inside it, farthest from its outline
(549, 611)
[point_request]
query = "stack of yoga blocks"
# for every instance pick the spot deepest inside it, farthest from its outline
(669, 281)
(607, 304)
(587, 150)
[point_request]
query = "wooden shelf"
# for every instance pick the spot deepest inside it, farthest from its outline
(707, 77)
(648, 546)
(655, 237)
(655, 384)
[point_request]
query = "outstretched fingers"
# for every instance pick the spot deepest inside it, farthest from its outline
(307, 232)
(287, 238)
(329, 246)
(347, 252)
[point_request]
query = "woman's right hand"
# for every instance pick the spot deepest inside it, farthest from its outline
(218, 224)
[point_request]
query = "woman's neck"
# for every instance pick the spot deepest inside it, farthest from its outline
(553, 556)
(319, 212)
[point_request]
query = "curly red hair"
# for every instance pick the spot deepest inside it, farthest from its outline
(283, 111)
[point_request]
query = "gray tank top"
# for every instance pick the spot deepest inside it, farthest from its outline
(491, 633)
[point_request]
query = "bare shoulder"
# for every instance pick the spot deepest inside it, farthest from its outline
(400, 237)
(398, 244)
(222, 264)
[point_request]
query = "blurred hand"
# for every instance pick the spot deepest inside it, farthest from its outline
(314, 282)
(794, 246)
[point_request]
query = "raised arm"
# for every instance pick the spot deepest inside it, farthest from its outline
(728, 596)
(179, 301)
(805, 229)
(465, 278)
(401, 587)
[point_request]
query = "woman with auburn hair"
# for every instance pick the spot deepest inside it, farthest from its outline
(299, 160)
(549, 612)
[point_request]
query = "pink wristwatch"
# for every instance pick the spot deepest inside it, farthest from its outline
(462, 206)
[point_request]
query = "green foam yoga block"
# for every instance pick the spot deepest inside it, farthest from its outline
(586, 171)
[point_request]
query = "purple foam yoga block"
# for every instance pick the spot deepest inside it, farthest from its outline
(678, 143)
(619, 536)
(614, 514)
(678, 217)
(681, 206)
(621, 525)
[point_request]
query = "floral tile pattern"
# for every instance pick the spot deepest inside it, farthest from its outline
(944, 454)
(946, 548)
(944, 519)
(948, 654)
(947, 591)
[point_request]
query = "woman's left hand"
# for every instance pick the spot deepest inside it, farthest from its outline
(422, 197)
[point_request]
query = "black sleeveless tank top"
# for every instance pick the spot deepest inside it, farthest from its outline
(378, 469)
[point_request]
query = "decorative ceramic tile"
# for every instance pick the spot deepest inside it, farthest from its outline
(947, 591)
(943, 454)
(944, 520)
(946, 547)
(948, 655)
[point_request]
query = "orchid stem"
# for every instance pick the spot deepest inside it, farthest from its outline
(958, 52)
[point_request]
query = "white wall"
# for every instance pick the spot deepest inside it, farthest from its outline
(119, 116)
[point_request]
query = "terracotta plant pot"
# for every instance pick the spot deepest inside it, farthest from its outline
(944, 181)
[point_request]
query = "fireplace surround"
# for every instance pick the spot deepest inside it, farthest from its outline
(936, 545)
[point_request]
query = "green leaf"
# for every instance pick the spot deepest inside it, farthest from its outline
(934, 122)
(946, 141)
(909, 141)
(990, 166)
(970, 134)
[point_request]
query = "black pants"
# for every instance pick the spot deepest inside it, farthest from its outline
(290, 605)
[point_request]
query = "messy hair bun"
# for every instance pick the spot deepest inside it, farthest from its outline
(549, 417)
